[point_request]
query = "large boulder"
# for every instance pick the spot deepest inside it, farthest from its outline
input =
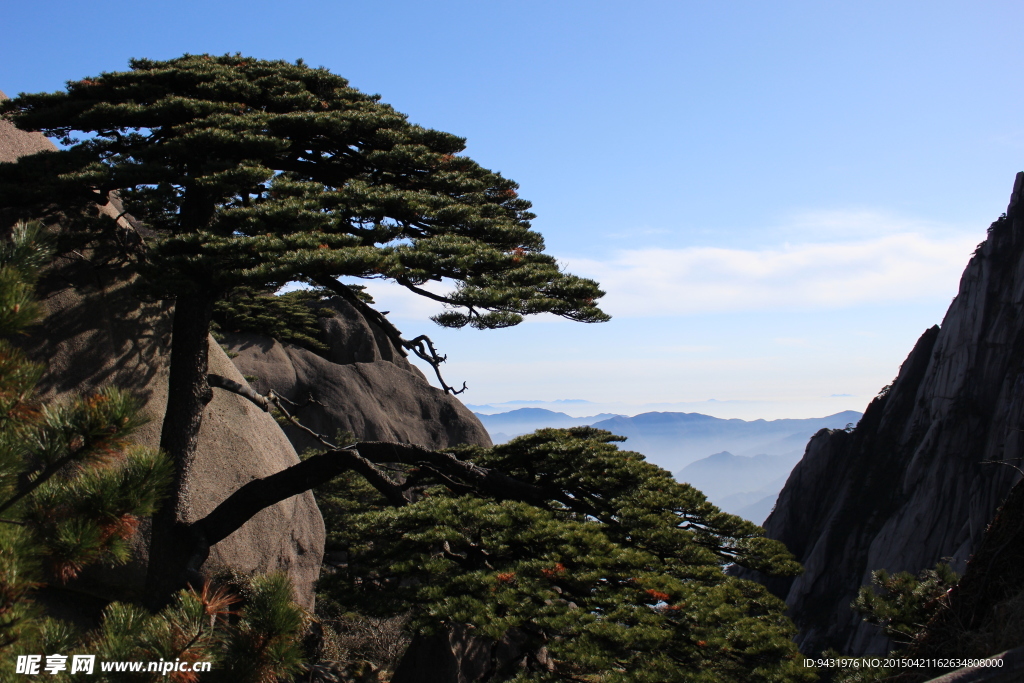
(15, 143)
(935, 454)
(363, 385)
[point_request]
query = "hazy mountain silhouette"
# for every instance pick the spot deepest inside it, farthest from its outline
(742, 485)
(674, 440)
(504, 426)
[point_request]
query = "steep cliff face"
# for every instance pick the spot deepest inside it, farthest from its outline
(920, 477)
(364, 385)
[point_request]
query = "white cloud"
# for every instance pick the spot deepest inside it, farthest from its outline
(895, 267)
(843, 224)
(837, 259)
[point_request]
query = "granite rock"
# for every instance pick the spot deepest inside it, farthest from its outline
(362, 385)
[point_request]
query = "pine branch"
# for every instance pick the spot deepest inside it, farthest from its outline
(246, 502)
(423, 347)
(245, 391)
(424, 293)
(265, 402)
(361, 457)
(483, 479)
(41, 478)
(459, 475)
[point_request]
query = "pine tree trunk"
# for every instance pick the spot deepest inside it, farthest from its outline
(171, 543)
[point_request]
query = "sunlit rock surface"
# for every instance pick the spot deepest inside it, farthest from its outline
(363, 386)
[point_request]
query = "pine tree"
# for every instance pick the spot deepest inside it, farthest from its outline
(901, 603)
(616, 573)
(251, 173)
(241, 174)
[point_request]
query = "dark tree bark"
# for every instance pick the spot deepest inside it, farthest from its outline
(188, 393)
(258, 494)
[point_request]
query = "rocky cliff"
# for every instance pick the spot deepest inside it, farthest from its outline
(923, 472)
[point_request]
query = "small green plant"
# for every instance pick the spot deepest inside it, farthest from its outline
(903, 603)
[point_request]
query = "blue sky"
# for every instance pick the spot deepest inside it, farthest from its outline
(779, 197)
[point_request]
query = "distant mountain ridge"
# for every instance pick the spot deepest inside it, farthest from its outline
(674, 440)
(741, 485)
(504, 426)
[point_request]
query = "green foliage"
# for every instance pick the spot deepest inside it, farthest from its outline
(191, 629)
(254, 173)
(21, 257)
(631, 589)
(249, 639)
(265, 643)
(290, 317)
(89, 517)
(903, 603)
(287, 317)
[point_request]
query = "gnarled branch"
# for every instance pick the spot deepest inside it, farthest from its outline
(483, 479)
(243, 390)
(452, 469)
(265, 402)
(250, 499)
(247, 501)
(422, 346)
(244, 503)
